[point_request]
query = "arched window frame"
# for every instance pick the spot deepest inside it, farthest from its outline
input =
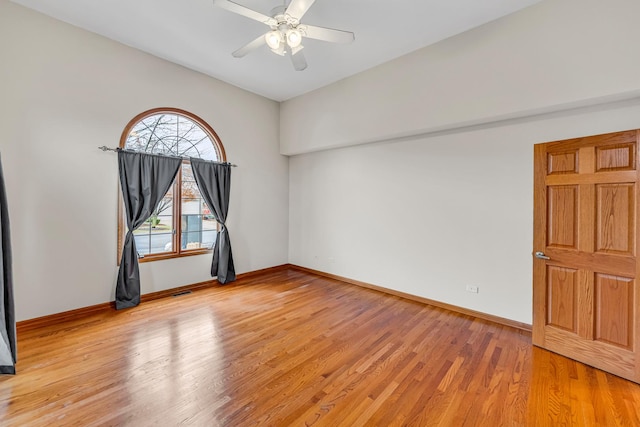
(177, 250)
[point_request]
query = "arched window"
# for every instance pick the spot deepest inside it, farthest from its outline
(182, 224)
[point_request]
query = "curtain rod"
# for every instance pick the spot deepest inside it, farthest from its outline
(105, 148)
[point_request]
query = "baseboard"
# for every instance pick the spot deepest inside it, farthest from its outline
(268, 270)
(30, 324)
(35, 323)
(478, 314)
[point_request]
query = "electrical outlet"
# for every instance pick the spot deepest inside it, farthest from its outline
(472, 288)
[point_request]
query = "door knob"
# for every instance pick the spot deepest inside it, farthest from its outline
(541, 255)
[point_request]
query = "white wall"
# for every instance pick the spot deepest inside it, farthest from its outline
(63, 93)
(432, 215)
(451, 205)
(543, 58)
(426, 215)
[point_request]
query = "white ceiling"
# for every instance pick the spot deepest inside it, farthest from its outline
(199, 36)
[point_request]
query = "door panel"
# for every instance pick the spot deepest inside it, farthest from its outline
(615, 207)
(562, 294)
(585, 220)
(563, 162)
(614, 297)
(563, 216)
(615, 157)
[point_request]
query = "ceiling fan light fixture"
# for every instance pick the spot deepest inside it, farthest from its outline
(294, 38)
(286, 32)
(280, 50)
(273, 39)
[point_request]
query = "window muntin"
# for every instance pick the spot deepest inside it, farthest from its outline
(174, 134)
(178, 133)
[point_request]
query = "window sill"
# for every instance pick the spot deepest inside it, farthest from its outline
(161, 257)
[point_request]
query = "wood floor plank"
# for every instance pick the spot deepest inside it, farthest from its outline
(289, 347)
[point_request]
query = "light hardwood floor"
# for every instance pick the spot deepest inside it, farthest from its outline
(292, 348)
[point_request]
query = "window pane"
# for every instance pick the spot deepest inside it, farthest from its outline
(156, 233)
(161, 227)
(201, 233)
(161, 224)
(158, 242)
(187, 172)
(189, 187)
(191, 223)
(142, 243)
(191, 231)
(206, 212)
(155, 224)
(209, 238)
(161, 243)
(191, 206)
(199, 239)
(170, 133)
(193, 141)
(169, 194)
(162, 216)
(154, 134)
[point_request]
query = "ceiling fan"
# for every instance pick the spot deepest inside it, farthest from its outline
(286, 34)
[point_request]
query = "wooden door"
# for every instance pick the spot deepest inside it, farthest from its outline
(585, 295)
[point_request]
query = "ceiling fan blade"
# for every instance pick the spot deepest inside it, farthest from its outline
(297, 8)
(299, 61)
(327, 34)
(249, 47)
(245, 11)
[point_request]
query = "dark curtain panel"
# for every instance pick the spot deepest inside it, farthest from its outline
(214, 182)
(145, 179)
(8, 349)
